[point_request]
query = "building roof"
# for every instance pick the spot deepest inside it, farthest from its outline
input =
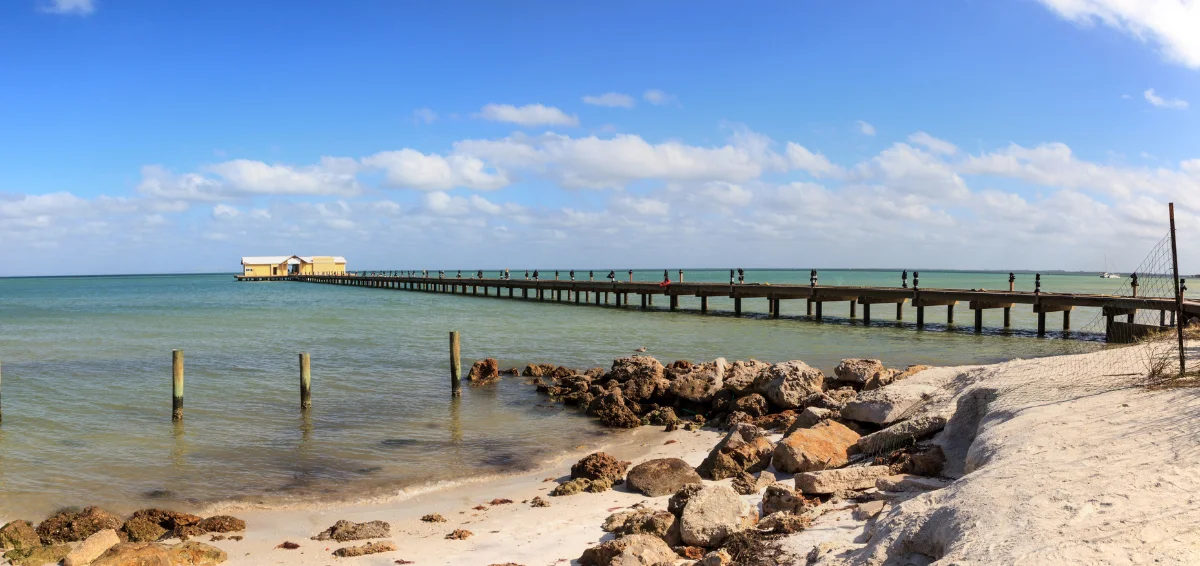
(278, 259)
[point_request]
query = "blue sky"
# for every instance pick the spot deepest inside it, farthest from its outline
(149, 136)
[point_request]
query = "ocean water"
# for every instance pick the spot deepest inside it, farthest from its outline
(87, 378)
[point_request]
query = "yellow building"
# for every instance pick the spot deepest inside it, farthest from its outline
(282, 265)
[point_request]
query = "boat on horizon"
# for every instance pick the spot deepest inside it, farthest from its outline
(1106, 274)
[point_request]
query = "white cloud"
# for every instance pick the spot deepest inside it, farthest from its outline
(865, 128)
(1172, 24)
(225, 212)
(933, 144)
(658, 97)
(592, 162)
(610, 99)
(424, 116)
(331, 176)
(528, 115)
(70, 7)
(408, 168)
(815, 164)
(641, 206)
(1161, 102)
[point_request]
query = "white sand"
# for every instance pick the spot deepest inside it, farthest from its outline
(505, 533)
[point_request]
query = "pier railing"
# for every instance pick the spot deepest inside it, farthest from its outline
(618, 293)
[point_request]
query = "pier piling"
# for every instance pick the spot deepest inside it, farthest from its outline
(455, 366)
(177, 385)
(305, 381)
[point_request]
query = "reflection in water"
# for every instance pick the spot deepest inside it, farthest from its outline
(456, 434)
(306, 429)
(179, 449)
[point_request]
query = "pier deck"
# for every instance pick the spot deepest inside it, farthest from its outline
(600, 292)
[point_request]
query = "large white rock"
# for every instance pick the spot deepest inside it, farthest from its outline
(713, 513)
(887, 405)
(845, 479)
(92, 547)
(857, 370)
(631, 550)
(701, 383)
(787, 384)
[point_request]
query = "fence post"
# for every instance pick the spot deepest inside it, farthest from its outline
(1178, 294)
(177, 385)
(455, 366)
(305, 381)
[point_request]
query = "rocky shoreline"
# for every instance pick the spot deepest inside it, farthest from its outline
(846, 437)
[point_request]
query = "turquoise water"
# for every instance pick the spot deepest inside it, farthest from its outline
(87, 371)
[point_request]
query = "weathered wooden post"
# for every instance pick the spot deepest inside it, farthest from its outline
(737, 306)
(949, 314)
(177, 385)
(866, 314)
(853, 309)
(305, 381)
(704, 304)
(455, 366)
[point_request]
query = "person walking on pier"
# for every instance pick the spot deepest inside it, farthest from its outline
(535, 275)
(591, 276)
(741, 276)
(572, 275)
(527, 275)
(612, 276)
(666, 279)
(904, 279)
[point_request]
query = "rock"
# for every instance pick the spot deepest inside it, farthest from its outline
(167, 519)
(185, 532)
(784, 523)
(662, 476)
(643, 521)
(39, 555)
(900, 434)
(643, 388)
(533, 370)
(600, 465)
(809, 418)
(134, 554)
(18, 535)
(680, 499)
(222, 524)
(786, 385)
(713, 513)
(744, 449)
(736, 418)
(753, 404)
(824, 446)
(369, 548)
(484, 371)
(748, 484)
(343, 531)
(740, 376)
(92, 547)
(594, 373)
(632, 550)
(69, 525)
(892, 376)
(141, 529)
(780, 499)
(887, 405)
(858, 371)
(612, 410)
(868, 510)
(779, 421)
(195, 554)
(907, 482)
(538, 502)
(624, 369)
(716, 558)
(920, 460)
(436, 517)
(701, 383)
(825, 482)
(580, 485)
(661, 416)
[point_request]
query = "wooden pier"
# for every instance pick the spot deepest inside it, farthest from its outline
(618, 293)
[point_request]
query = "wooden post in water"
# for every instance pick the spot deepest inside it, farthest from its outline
(704, 304)
(455, 366)
(866, 314)
(737, 306)
(853, 309)
(978, 321)
(177, 385)
(920, 317)
(900, 310)
(305, 381)
(949, 314)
